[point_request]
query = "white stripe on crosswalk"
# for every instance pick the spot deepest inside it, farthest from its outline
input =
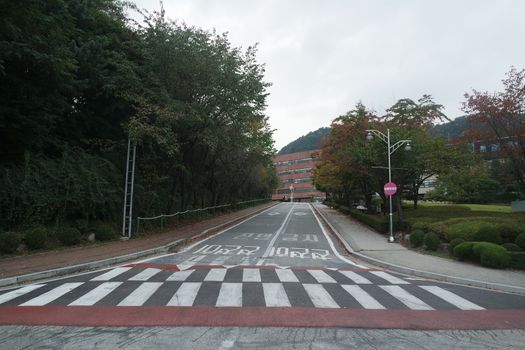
(321, 276)
(215, 275)
(389, 278)
(286, 275)
(145, 275)
(180, 275)
(111, 274)
(406, 298)
(355, 277)
(140, 295)
(230, 295)
(186, 294)
(96, 294)
(251, 275)
(51, 295)
(4, 298)
(275, 295)
(452, 298)
(319, 296)
(363, 297)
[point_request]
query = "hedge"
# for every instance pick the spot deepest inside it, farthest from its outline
(520, 240)
(517, 260)
(463, 251)
(432, 241)
(487, 233)
(9, 242)
(512, 247)
(509, 232)
(104, 232)
(493, 255)
(36, 238)
(453, 244)
(68, 235)
(417, 238)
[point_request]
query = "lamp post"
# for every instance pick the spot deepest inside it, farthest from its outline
(391, 149)
(291, 193)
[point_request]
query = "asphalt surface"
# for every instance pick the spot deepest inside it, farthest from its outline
(279, 268)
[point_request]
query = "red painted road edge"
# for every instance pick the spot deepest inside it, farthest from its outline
(260, 317)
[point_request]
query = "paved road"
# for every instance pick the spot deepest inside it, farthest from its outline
(279, 268)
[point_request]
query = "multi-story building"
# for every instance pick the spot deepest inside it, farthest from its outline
(295, 172)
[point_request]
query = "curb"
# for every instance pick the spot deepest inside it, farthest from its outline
(419, 273)
(30, 277)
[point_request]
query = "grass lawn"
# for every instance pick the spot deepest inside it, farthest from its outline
(498, 208)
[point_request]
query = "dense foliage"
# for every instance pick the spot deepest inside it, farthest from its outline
(77, 77)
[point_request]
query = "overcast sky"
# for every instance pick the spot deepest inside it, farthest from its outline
(323, 56)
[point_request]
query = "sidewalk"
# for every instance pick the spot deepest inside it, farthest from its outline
(69, 260)
(374, 248)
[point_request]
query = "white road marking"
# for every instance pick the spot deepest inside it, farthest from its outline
(230, 295)
(215, 275)
(286, 275)
(140, 295)
(180, 275)
(4, 298)
(53, 294)
(355, 277)
(145, 275)
(186, 294)
(321, 276)
(275, 295)
(251, 275)
(452, 298)
(362, 297)
(277, 233)
(389, 278)
(406, 298)
(336, 253)
(111, 274)
(319, 296)
(96, 294)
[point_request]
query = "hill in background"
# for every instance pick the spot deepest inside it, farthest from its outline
(308, 142)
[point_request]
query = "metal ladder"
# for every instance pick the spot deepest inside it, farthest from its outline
(127, 217)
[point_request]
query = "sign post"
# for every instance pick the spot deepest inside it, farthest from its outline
(390, 189)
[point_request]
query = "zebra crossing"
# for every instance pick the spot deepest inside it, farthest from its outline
(241, 287)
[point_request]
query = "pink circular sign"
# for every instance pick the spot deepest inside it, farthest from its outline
(390, 189)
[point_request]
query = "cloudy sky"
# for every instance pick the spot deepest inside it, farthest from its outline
(323, 56)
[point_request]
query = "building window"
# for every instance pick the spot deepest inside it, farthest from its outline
(482, 148)
(494, 147)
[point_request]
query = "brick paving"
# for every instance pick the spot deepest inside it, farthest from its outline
(20, 265)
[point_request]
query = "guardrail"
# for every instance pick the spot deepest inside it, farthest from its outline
(166, 221)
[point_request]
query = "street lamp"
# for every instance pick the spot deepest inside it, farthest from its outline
(391, 149)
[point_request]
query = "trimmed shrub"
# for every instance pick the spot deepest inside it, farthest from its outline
(520, 240)
(9, 242)
(68, 235)
(517, 260)
(432, 241)
(420, 225)
(487, 233)
(509, 232)
(512, 247)
(493, 255)
(453, 244)
(466, 230)
(417, 238)
(478, 248)
(463, 251)
(104, 232)
(440, 229)
(36, 238)
(376, 222)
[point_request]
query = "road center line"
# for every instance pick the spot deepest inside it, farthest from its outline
(277, 233)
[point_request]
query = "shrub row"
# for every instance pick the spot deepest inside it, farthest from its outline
(488, 254)
(40, 237)
(430, 240)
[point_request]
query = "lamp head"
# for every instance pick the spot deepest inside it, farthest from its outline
(408, 147)
(369, 136)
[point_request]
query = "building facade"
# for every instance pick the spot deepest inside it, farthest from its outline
(296, 171)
